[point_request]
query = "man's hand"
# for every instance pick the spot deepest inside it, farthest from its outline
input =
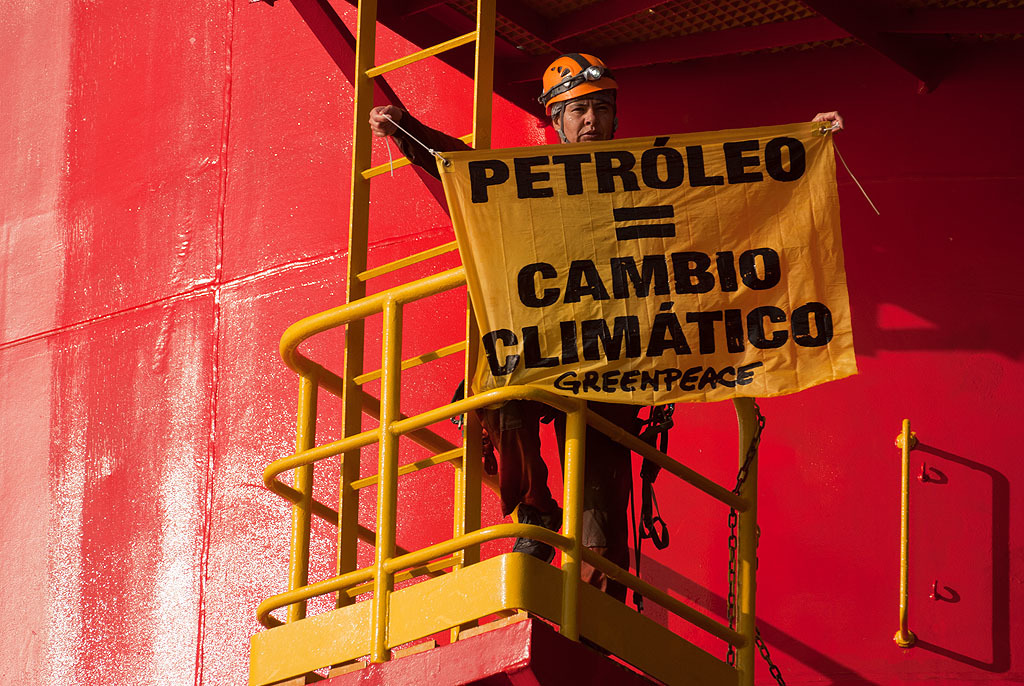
(379, 124)
(833, 118)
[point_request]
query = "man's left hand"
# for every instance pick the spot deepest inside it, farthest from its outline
(833, 118)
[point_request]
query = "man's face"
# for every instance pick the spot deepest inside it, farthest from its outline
(587, 119)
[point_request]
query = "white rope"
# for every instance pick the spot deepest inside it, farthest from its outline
(847, 167)
(426, 147)
(835, 127)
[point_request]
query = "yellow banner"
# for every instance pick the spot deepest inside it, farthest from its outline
(694, 267)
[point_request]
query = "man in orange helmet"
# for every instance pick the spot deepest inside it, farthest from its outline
(579, 95)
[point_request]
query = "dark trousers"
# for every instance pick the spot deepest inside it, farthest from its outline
(607, 483)
(514, 430)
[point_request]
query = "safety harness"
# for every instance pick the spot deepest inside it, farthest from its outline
(653, 431)
(486, 446)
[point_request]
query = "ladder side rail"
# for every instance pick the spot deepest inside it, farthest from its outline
(358, 241)
(468, 475)
(483, 75)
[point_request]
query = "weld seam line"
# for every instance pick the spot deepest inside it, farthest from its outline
(207, 520)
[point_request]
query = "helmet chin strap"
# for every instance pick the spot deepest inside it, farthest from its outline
(559, 117)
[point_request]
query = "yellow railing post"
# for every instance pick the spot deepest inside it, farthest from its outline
(387, 484)
(468, 472)
(572, 528)
(905, 441)
(746, 554)
(467, 488)
(305, 438)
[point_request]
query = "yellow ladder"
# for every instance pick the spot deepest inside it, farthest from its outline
(467, 517)
(469, 589)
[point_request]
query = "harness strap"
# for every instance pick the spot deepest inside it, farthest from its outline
(655, 432)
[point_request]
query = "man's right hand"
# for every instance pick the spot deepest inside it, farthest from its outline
(379, 124)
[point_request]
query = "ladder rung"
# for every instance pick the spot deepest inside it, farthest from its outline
(403, 161)
(406, 261)
(422, 54)
(412, 467)
(381, 168)
(416, 361)
(431, 569)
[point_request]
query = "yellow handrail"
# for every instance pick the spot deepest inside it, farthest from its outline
(492, 533)
(390, 561)
(358, 310)
(460, 552)
(905, 441)
(489, 398)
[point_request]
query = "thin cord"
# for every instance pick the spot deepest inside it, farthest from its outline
(830, 129)
(855, 178)
(426, 147)
(391, 162)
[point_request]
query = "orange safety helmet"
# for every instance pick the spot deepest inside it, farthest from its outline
(573, 75)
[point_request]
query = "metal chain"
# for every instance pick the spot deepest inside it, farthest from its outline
(730, 657)
(773, 669)
(741, 477)
(755, 442)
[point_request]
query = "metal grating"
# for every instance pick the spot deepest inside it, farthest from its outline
(513, 33)
(813, 46)
(676, 18)
(970, 4)
(964, 4)
(685, 17)
(555, 8)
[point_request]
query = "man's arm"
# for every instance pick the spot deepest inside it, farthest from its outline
(381, 126)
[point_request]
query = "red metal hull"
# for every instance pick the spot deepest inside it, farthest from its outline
(175, 184)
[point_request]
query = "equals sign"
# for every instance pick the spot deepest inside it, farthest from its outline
(632, 214)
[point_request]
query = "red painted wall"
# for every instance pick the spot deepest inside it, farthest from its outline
(175, 195)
